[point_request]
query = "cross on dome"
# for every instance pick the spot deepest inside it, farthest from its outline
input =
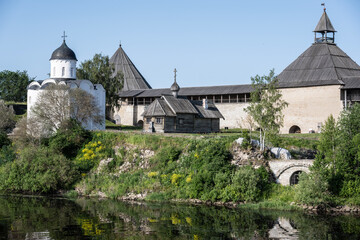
(64, 36)
(175, 74)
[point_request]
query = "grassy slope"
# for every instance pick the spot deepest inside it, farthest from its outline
(176, 164)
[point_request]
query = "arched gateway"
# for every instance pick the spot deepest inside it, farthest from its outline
(287, 172)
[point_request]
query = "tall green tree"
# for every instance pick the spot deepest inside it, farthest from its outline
(99, 70)
(13, 85)
(349, 133)
(266, 106)
(338, 157)
(325, 162)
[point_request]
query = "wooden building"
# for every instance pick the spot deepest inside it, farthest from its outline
(171, 113)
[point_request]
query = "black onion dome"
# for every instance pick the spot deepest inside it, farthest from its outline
(63, 52)
(175, 87)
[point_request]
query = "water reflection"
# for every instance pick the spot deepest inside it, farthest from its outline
(283, 229)
(49, 218)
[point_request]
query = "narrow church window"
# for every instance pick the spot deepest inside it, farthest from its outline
(71, 72)
(54, 71)
(63, 71)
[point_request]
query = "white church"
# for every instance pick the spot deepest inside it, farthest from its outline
(63, 72)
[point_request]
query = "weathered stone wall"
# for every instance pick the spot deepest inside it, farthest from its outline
(128, 114)
(283, 169)
(233, 113)
(310, 106)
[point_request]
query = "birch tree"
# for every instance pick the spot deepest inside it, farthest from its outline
(266, 106)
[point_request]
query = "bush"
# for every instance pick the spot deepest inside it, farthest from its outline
(246, 143)
(312, 189)
(351, 188)
(90, 156)
(7, 117)
(4, 140)
(245, 183)
(70, 137)
(7, 154)
(37, 170)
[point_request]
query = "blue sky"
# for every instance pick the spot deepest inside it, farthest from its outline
(209, 42)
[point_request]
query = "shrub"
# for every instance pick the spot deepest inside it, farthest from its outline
(37, 170)
(4, 140)
(7, 154)
(90, 156)
(246, 143)
(7, 117)
(312, 189)
(245, 183)
(70, 137)
(351, 188)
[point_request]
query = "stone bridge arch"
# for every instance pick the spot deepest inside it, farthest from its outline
(284, 169)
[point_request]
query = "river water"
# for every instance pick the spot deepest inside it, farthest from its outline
(56, 218)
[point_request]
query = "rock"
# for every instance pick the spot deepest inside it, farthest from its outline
(239, 140)
(101, 195)
(255, 143)
(103, 163)
(281, 153)
(347, 209)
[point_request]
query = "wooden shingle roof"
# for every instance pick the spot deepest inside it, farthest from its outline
(133, 79)
(320, 64)
(158, 108)
(324, 24)
(170, 106)
(190, 91)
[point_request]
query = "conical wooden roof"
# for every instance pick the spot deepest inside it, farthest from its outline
(133, 79)
(320, 64)
(324, 24)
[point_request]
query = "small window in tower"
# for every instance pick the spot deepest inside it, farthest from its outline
(53, 71)
(72, 72)
(63, 71)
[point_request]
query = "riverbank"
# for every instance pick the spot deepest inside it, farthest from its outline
(135, 166)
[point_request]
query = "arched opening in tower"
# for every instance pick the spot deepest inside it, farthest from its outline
(295, 129)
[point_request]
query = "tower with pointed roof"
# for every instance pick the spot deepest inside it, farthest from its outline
(324, 29)
(314, 84)
(133, 80)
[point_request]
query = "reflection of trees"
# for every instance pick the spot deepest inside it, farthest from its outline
(182, 221)
(107, 219)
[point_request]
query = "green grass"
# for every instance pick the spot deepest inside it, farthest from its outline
(270, 204)
(111, 125)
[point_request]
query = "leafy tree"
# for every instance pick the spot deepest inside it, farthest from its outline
(7, 117)
(325, 162)
(338, 158)
(13, 85)
(266, 106)
(99, 70)
(58, 103)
